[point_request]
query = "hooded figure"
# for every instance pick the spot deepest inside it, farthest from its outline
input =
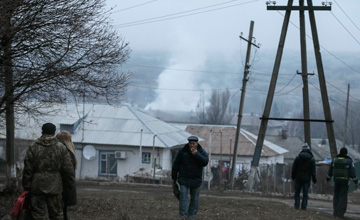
(303, 170)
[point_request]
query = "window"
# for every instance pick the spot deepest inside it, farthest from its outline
(108, 164)
(146, 157)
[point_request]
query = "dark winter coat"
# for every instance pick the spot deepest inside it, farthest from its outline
(342, 167)
(47, 164)
(69, 194)
(188, 168)
(304, 168)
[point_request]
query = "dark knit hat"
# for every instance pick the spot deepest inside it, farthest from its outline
(48, 128)
(193, 138)
(343, 151)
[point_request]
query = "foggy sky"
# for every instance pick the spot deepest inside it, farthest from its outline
(192, 39)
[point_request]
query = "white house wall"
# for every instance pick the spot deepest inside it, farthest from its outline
(166, 159)
(127, 166)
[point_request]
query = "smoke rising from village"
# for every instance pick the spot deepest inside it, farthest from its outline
(180, 90)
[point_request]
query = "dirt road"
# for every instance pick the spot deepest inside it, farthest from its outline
(137, 201)
(121, 201)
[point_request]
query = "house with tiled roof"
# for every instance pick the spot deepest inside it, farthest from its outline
(218, 141)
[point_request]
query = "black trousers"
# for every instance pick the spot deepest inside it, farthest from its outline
(340, 197)
(304, 186)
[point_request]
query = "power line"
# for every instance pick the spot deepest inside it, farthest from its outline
(334, 99)
(286, 84)
(345, 28)
(171, 16)
(182, 70)
(342, 91)
(131, 7)
(347, 15)
(199, 71)
(184, 90)
(350, 67)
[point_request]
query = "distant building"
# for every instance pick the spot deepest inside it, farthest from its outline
(218, 141)
(319, 147)
(251, 123)
(110, 141)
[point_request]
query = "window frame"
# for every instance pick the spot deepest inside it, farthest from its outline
(146, 159)
(107, 161)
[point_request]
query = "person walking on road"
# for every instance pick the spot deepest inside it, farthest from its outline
(342, 170)
(47, 165)
(303, 170)
(69, 194)
(187, 169)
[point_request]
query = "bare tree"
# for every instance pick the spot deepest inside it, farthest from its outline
(218, 111)
(51, 48)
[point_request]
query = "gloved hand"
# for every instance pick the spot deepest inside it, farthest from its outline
(356, 185)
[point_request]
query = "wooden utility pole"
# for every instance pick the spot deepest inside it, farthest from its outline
(346, 115)
(242, 99)
(265, 118)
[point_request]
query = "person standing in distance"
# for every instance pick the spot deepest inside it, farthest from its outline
(342, 170)
(47, 165)
(303, 170)
(68, 195)
(187, 170)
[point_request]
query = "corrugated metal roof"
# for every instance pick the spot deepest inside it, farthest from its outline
(107, 125)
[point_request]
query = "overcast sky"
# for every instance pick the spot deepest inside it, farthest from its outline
(190, 30)
(216, 25)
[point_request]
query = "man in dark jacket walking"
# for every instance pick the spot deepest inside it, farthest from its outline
(187, 170)
(47, 165)
(303, 170)
(342, 170)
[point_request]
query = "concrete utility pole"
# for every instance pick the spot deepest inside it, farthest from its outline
(306, 108)
(209, 164)
(265, 118)
(241, 107)
(346, 115)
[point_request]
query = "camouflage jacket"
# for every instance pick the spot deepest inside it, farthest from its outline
(47, 165)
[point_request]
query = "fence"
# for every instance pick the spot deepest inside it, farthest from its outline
(276, 178)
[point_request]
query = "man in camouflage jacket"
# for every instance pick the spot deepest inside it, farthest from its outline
(47, 165)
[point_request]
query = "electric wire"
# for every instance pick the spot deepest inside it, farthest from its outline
(358, 100)
(343, 62)
(169, 17)
(184, 90)
(286, 85)
(182, 70)
(135, 6)
(347, 15)
(333, 99)
(199, 71)
(345, 28)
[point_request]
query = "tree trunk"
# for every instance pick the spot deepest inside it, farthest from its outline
(9, 94)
